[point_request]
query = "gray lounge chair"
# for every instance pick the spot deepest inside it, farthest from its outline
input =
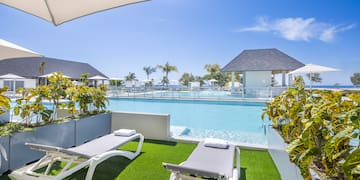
(208, 162)
(89, 154)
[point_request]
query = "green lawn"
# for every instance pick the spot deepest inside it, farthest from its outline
(254, 164)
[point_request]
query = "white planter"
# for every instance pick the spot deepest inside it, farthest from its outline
(89, 128)
(61, 134)
(277, 146)
(4, 154)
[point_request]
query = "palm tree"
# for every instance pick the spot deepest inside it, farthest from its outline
(41, 69)
(130, 77)
(186, 78)
(166, 69)
(149, 70)
(212, 69)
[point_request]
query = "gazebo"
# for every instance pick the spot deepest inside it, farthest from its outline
(259, 66)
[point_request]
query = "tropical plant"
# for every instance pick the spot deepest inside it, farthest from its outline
(212, 69)
(186, 78)
(130, 77)
(319, 128)
(99, 97)
(57, 85)
(166, 69)
(148, 71)
(84, 78)
(164, 81)
(38, 94)
(23, 106)
(41, 70)
(355, 79)
(4, 101)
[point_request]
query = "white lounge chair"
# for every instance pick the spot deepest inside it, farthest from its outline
(208, 162)
(89, 154)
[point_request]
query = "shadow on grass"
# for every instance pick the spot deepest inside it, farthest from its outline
(243, 173)
(169, 143)
(109, 169)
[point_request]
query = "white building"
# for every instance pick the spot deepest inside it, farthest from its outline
(29, 69)
(259, 67)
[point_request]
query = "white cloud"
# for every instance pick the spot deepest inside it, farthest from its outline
(298, 29)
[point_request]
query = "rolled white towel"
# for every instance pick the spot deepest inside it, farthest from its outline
(216, 143)
(124, 132)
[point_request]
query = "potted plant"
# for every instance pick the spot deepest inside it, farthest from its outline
(319, 128)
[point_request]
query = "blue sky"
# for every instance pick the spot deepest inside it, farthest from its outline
(190, 34)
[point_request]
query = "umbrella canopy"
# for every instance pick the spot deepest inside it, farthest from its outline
(98, 77)
(10, 50)
(51, 74)
(212, 80)
(116, 79)
(313, 68)
(11, 76)
(60, 11)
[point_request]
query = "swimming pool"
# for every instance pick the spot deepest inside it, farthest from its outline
(234, 121)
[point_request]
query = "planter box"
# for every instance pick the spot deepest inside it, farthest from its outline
(4, 143)
(276, 144)
(61, 134)
(89, 128)
(4, 118)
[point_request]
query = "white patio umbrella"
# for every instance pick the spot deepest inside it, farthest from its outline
(98, 77)
(12, 77)
(11, 50)
(51, 74)
(60, 11)
(312, 69)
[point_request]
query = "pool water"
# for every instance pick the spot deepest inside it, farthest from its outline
(234, 121)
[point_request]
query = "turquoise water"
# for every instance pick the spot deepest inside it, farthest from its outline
(235, 121)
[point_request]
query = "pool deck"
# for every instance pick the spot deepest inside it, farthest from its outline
(240, 144)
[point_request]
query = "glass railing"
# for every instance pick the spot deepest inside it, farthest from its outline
(200, 93)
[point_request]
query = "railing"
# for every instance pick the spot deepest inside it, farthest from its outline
(201, 93)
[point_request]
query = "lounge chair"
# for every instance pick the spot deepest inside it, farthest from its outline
(89, 154)
(208, 162)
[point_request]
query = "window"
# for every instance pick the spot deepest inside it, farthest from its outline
(9, 84)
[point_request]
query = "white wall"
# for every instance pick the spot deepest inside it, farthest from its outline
(28, 83)
(152, 126)
(257, 78)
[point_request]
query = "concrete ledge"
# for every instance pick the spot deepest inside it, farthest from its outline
(287, 169)
(152, 126)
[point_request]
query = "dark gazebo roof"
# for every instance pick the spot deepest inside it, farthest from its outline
(262, 60)
(29, 67)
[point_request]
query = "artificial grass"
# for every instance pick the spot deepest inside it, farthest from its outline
(254, 164)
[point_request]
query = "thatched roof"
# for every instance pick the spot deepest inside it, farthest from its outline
(262, 60)
(29, 67)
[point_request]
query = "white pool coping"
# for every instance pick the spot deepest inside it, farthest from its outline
(240, 144)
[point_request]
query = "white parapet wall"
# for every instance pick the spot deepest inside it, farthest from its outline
(152, 126)
(277, 146)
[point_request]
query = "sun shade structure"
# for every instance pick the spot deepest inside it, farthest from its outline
(313, 68)
(10, 50)
(52, 74)
(28, 67)
(262, 60)
(60, 11)
(11, 76)
(260, 66)
(98, 77)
